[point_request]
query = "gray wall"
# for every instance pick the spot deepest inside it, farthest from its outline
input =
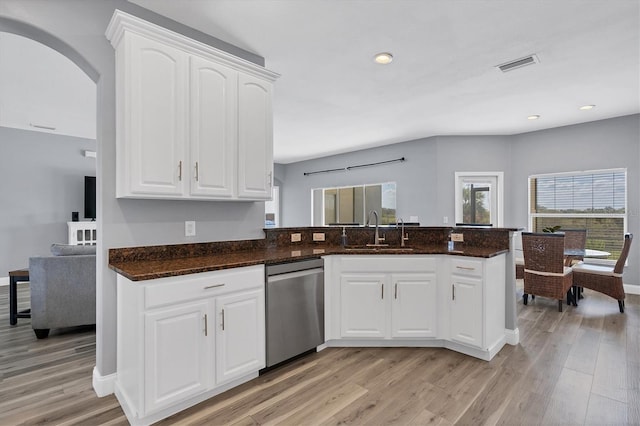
(426, 180)
(41, 183)
(76, 29)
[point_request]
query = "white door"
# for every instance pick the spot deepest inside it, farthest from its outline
(255, 138)
(363, 312)
(213, 128)
(155, 118)
(413, 312)
(176, 354)
(240, 335)
(466, 310)
(479, 198)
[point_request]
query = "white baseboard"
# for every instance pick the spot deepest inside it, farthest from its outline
(631, 289)
(103, 385)
(512, 336)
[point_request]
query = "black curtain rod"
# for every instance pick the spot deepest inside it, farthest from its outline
(355, 167)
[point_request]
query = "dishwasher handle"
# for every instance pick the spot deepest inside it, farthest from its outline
(289, 275)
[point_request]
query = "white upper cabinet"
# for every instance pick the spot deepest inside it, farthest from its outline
(255, 147)
(192, 121)
(213, 95)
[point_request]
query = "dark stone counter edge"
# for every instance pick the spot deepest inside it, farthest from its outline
(143, 270)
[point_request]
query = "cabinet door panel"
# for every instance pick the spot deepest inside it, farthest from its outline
(466, 310)
(255, 138)
(363, 306)
(414, 305)
(157, 113)
(213, 133)
(240, 334)
(176, 355)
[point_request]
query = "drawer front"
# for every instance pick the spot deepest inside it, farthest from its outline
(467, 267)
(388, 263)
(171, 290)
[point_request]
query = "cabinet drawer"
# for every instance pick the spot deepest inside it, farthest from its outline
(467, 267)
(388, 263)
(206, 284)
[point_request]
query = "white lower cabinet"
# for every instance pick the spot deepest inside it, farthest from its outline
(414, 312)
(176, 366)
(457, 302)
(363, 305)
(397, 299)
(184, 339)
(240, 345)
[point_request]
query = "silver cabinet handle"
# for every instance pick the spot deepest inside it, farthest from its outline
(453, 292)
(466, 268)
(214, 286)
(382, 292)
(222, 319)
(196, 171)
(180, 170)
(396, 291)
(206, 326)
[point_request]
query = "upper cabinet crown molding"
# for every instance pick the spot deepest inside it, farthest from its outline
(122, 22)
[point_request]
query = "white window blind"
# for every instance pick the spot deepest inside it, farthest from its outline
(594, 200)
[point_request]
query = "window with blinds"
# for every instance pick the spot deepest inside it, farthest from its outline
(594, 200)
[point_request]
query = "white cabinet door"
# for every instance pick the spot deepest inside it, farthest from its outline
(213, 128)
(466, 310)
(154, 119)
(363, 312)
(413, 312)
(176, 357)
(240, 335)
(255, 138)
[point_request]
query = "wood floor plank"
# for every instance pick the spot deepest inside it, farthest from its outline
(566, 369)
(605, 411)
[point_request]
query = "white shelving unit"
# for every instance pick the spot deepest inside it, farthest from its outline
(82, 233)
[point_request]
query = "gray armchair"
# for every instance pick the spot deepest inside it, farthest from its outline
(63, 288)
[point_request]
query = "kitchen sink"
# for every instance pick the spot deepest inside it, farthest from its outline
(380, 249)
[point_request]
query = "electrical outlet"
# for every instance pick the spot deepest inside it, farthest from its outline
(318, 236)
(296, 237)
(190, 228)
(458, 238)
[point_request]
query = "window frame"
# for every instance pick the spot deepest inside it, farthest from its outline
(624, 216)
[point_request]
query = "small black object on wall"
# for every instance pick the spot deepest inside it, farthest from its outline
(75, 216)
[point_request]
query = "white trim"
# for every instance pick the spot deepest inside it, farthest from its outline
(103, 385)
(631, 289)
(512, 336)
(498, 195)
(4, 281)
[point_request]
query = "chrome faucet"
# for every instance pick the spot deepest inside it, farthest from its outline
(403, 237)
(376, 238)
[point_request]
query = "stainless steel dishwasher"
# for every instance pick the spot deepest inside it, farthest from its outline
(295, 309)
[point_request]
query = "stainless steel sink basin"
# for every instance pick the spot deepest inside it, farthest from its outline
(381, 249)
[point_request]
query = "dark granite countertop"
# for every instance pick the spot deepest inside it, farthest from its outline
(146, 269)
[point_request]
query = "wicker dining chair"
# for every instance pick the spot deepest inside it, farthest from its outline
(544, 271)
(575, 239)
(604, 279)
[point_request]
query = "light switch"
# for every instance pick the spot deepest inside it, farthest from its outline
(190, 228)
(459, 238)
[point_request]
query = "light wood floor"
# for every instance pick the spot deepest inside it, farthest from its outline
(581, 366)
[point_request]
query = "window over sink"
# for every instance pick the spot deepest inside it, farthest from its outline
(350, 205)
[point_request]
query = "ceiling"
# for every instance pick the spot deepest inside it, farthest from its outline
(332, 98)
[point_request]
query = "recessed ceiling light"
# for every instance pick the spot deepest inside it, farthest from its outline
(587, 107)
(533, 117)
(383, 58)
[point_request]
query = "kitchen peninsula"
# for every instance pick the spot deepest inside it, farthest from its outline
(191, 316)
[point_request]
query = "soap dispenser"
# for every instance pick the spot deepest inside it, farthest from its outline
(343, 237)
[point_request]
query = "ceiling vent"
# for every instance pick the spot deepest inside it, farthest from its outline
(518, 63)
